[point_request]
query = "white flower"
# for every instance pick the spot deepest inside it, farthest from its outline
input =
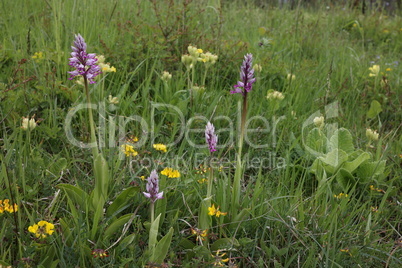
(319, 121)
(28, 123)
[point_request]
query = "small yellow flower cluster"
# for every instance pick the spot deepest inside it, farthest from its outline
(160, 147)
(113, 100)
(275, 95)
(37, 56)
(99, 253)
(219, 260)
(105, 67)
(197, 54)
(170, 173)
(128, 150)
(132, 139)
(341, 195)
(42, 229)
(346, 250)
(28, 123)
(374, 209)
(291, 77)
(203, 180)
(372, 188)
(319, 122)
(372, 135)
(166, 76)
(212, 211)
(257, 68)
(5, 206)
(201, 234)
(374, 70)
(208, 58)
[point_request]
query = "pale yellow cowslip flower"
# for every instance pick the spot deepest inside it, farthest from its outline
(257, 68)
(275, 95)
(208, 58)
(80, 81)
(28, 123)
(319, 122)
(105, 67)
(194, 53)
(372, 135)
(187, 60)
(374, 70)
(166, 76)
(113, 100)
(291, 77)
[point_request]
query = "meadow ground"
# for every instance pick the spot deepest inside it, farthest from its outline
(300, 168)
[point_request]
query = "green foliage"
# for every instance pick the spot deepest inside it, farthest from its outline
(342, 160)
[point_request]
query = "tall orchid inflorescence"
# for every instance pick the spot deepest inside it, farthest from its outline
(153, 187)
(211, 137)
(246, 76)
(83, 62)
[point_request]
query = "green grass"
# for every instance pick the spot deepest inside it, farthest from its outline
(288, 215)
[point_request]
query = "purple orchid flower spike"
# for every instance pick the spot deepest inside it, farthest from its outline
(246, 76)
(84, 63)
(211, 137)
(153, 187)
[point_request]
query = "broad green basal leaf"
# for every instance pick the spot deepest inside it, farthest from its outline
(342, 140)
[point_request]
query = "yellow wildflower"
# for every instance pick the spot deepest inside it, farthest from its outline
(171, 173)
(132, 139)
(5, 206)
(257, 68)
(212, 211)
(372, 188)
(28, 123)
(37, 56)
(291, 77)
(346, 250)
(372, 135)
(99, 253)
(388, 69)
(42, 229)
(160, 147)
(208, 58)
(166, 76)
(275, 95)
(374, 70)
(105, 67)
(203, 180)
(374, 209)
(200, 234)
(128, 150)
(319, 122)
(219, 213)
(219, 260)
(340, 195)
(113, 100)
